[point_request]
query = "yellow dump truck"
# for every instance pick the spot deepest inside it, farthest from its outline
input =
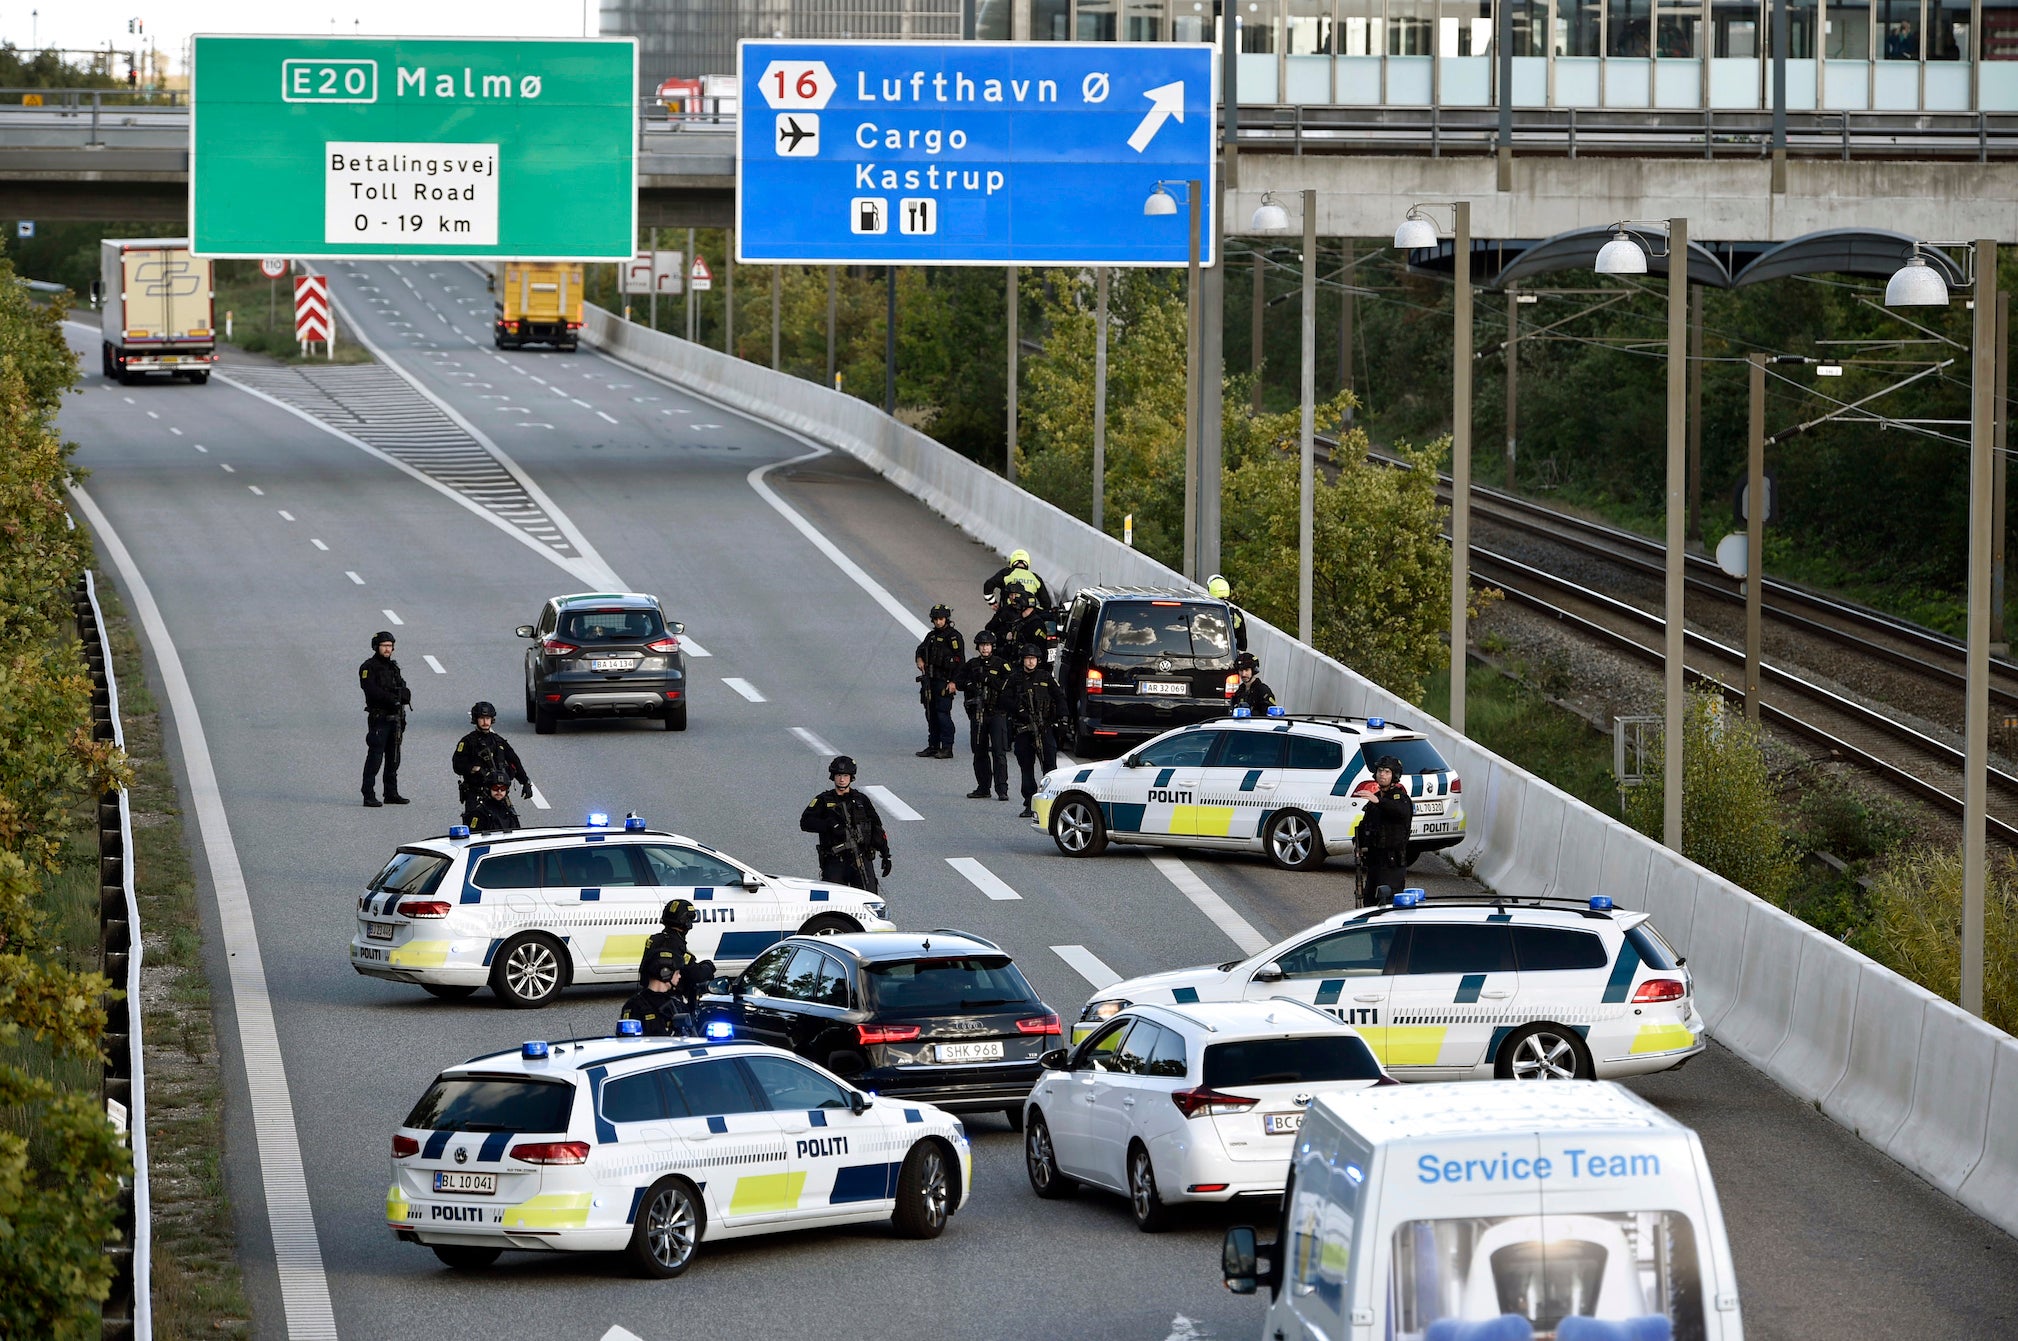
(538, 303)
(155, 302)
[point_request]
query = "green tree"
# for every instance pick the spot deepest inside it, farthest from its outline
(1730, 805)
(1916, 927)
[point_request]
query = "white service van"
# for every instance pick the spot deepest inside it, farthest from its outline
(1499, 1211)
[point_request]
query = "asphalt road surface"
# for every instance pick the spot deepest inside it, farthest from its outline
(274, 549)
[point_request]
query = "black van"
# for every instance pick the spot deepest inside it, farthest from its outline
(1136, 661)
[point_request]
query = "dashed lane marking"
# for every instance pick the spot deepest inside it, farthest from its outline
(981, 877)
(435, 666)
(893, 803)
(814, 743)
(176, 431)
(285, 515)
(392, 618)
(257, 490)
(743, 687)
(1208, 901)
(318, 544)
(1087, 965)
(601, 415)
(353, 577)
(230, 469)
(540, 798)
(687, 645)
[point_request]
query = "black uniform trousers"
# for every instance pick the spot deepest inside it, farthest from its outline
(1029, 745)
(1385, 866)
(382, 734)
(989, 735)
(840, 868)
(938, 718)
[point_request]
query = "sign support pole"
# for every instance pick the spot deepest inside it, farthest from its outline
(1755, 534)
(777, 289)
(833, 295)
(1100, 281)
(729, 292)
(1013, 351)
(654, 305)
(1195, 199)
(890, 339)
(693, 325)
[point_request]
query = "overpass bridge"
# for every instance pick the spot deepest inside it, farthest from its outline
(1930, 173)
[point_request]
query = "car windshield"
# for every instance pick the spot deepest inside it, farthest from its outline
(494, 1103)
(411, 873)
(1147, 631)
(973, 983)
(614, 625)
(1288, 1061)
(1416, 754)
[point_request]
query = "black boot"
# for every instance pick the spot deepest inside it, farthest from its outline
(372, 802)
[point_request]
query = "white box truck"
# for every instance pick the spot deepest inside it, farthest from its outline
(1495, 1211)
(155, 303)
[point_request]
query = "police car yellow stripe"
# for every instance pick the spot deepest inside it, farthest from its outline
(397, 1207)
(418, 954)
(762, 1192)
(1412, 1045)
(1662, 1038)
(550, 1210)
(1201, 821)
(620, 950)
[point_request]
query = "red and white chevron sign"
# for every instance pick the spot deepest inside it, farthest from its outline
(311, 308)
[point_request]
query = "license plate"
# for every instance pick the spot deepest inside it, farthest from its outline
(455, 1180)
(1281, 1124)
(612, 664)
(378, 931)
(1176, 688)
(1429, 807)
(969, 1052)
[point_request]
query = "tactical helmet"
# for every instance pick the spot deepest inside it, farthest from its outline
(498, 778)
(383, 636)
(984, 638)
(1031, 650)
(1390, 763)
(1014, 595)
(1218, 586)
(678, 913)
(841, 764)
(942, 612)
(1246, 661)
(483, 708)
(1019, 558)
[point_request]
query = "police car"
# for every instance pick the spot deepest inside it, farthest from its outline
(654, 1146)
(1470, 987)
(533, 911)
(1292, 787)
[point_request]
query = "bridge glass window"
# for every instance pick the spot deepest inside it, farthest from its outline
(1628, 28)
(1677, 28)
(1362, 27)
(1309, 28)
(1464, 28)
(1142, 21)
(992, 19)
(1050, 20)
(1530, 27)
(1947, 30)
(1801, 25)
(1408, 27)
(1579, 27)
(1735, 27)
(1257, 26)
(1096, 21)
(1899, 23)
(1190, 21)
(1847, 34)
(2000, 32)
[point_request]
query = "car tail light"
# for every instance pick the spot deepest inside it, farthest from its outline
(1456, 785)
(1660, 989)
(1166, 602)
(552, 1152)
(1095, 681)
(1206, 1187)
(1367, 788)
(424, 908)
(1043, 1024)
(1232, 685)
(672, 693)
(404, 1146)
(1202, 1102)
(553, 698)
(872, 1034)
(554, 647)
(665, 644)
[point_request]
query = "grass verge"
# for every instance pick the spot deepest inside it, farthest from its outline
(1517, 723)
(198, 1287)
(262, 316)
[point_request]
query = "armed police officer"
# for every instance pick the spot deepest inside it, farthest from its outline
(482, 753)
(657, 1006)
(386, 699)
(489, 809)
(983, 680)
(1036, 713)
(1016, 574)
(1383, 833)
(667, 957)
(1007, 616)
(1220, 587)
(1254, 693)
(939, 657)
(849, 830)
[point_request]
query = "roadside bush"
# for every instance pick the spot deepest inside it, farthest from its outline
(1835, 817)
(1916, 927)
(1730, 806)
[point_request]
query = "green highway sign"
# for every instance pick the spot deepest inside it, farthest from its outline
(486, 148)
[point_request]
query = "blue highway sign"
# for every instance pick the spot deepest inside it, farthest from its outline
(971, 153)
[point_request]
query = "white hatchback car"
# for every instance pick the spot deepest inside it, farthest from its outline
(1291, 787)
(533, 911)
(1171, 1104)
(1468, 988)
(655, 1145)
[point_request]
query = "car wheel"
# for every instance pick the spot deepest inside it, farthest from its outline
(1014, 1114)
(1151, 1215)
(532, 713)
(545, 720)
(447, 991)
(676, 717)
(1544, 1052)
(1077, 827)
(1293, 841)
(464, 1256)
(199, 378)
(529, 971)
(668, 1229)
(924, 1192)
(829, 924)
(1040, 1161)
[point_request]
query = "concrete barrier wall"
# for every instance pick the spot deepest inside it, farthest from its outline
(1902, 1068)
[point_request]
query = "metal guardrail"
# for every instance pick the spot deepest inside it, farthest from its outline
(128, 1313)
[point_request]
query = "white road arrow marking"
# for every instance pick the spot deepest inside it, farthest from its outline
(1164, 103)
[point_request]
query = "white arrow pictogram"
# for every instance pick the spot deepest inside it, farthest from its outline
(1165, 103)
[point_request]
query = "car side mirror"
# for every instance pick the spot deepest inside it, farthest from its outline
(1130, 761)
(678, 628)
(1269, 972)
(1058, 1059)
(859, 1102)
(1240, 1260)
(97, 292)
(721, 986)
(524, 630)
(751, 883)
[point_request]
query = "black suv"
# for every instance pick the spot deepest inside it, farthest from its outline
(604, 654)
(945, 1017)
(1136, 661)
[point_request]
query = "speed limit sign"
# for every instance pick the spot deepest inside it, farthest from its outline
(273, 267)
